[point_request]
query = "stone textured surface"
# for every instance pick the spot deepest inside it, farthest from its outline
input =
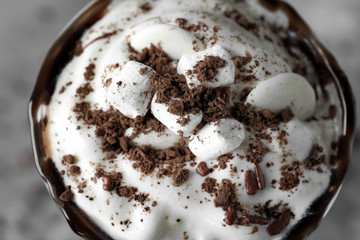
(28, 29)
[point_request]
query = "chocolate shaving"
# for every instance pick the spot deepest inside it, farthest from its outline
(279, 224)
(230, 217)
(259, 177)
(250, 182)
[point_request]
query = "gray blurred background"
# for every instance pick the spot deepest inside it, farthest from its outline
(27, 30)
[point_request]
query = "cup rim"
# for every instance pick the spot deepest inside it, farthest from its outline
(43, 91)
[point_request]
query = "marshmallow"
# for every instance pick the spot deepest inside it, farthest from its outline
(174, 40)
(224, 76)
(172, 121)
(217, 138)
(283, 90)
(130, 91)
(157, 140)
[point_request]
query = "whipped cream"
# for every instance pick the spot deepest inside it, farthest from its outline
(293, 155)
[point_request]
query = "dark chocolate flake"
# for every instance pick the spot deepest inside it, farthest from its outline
(279, 224)
(259, 177)
(230, 217)
(250, 182)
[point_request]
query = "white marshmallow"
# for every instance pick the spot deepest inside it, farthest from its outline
(157, 140)
(283, 90)
(133, 95)
(217, 138)
(171, 121)
(174, 40)
(224, 76)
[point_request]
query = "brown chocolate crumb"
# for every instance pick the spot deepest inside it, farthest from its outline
(176, 107)
(226, 195)
(255, 152)
(202, 169)
(315, 158)
(66, 196)
(260, 120)
(62, 90)
(289, 181)
(259, 177)
(279, 224)
(68, 159)
(143, 70)
(230, 217)
(286, 114)
(181, 22)
(145, 7)
(180, 177)
(84, 90)
(282, 138)
(206, 69)
(89, 73)
(224, 159)
(74, 170)
(111, 126)
(250, 182)
(209, 185)
(107, 183)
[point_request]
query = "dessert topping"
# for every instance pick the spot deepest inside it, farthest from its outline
(202, 169)
(212, 67)
(250, 182)
(279, 224)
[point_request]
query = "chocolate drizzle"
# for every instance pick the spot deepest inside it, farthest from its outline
(299, 33)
